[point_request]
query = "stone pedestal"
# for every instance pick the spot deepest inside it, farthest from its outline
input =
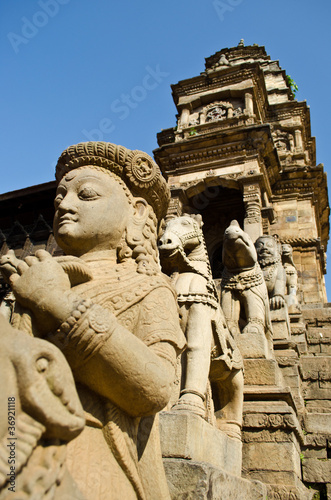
(272, 440)
(189, 480)
(202, 462)
(280, 324)
(187, 436)
(253, 345)
(262, 372)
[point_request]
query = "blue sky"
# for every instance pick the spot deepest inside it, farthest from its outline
(73, 69)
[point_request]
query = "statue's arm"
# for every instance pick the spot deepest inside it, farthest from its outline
(114, 362)
(102, 354)
(277, 300)
(280, 283)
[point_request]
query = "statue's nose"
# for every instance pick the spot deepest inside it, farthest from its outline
(165, 240)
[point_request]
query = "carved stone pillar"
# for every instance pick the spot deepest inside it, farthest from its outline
(298, 138)
(249, 104)
(175, 208)
(253, 205)
(184, 117)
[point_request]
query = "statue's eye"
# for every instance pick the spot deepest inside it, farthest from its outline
(88, 193)
(58, 200)
(185, 223)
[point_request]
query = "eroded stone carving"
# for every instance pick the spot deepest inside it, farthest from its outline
(107, 306)
(40, 412)
(283, 140)
(243, 286)
(221, 110)
(211, 350)
(221, 63)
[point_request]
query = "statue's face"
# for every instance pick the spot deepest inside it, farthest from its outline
(91, 212)
(266, 247)
(286, 249)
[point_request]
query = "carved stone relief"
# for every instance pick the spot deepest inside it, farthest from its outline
(221, 110)
(284, 141)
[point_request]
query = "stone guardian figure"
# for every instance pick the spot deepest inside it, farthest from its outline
(112, 313)
(274, 274)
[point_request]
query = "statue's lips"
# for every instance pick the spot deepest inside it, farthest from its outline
(66, 220)
(264, 254)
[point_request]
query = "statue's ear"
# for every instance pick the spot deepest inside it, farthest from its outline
(137, 222)
(197, 218)
(140, 207)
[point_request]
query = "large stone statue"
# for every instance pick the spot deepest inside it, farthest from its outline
(244, 291)
(39, 412)
(110, 311)
(274, 274)
(184, 257)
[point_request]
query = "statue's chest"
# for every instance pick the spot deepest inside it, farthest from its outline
(183, 283)
(270, 276)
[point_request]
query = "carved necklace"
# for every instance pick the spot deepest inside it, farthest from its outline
(268, 274)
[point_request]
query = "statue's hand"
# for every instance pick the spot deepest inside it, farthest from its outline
(277, 302)
(9, 264)
(41, 285)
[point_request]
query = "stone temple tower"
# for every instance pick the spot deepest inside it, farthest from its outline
(242, 149)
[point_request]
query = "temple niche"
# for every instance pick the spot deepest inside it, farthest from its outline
(240, 164)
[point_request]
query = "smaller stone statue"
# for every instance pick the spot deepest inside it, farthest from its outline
(211, 350)
(243, 288)
(291, 275)
(39, 413)
(274, 274)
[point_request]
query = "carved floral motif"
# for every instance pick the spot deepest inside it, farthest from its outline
(270, 420)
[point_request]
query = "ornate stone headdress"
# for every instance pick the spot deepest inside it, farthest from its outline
(136, 168)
